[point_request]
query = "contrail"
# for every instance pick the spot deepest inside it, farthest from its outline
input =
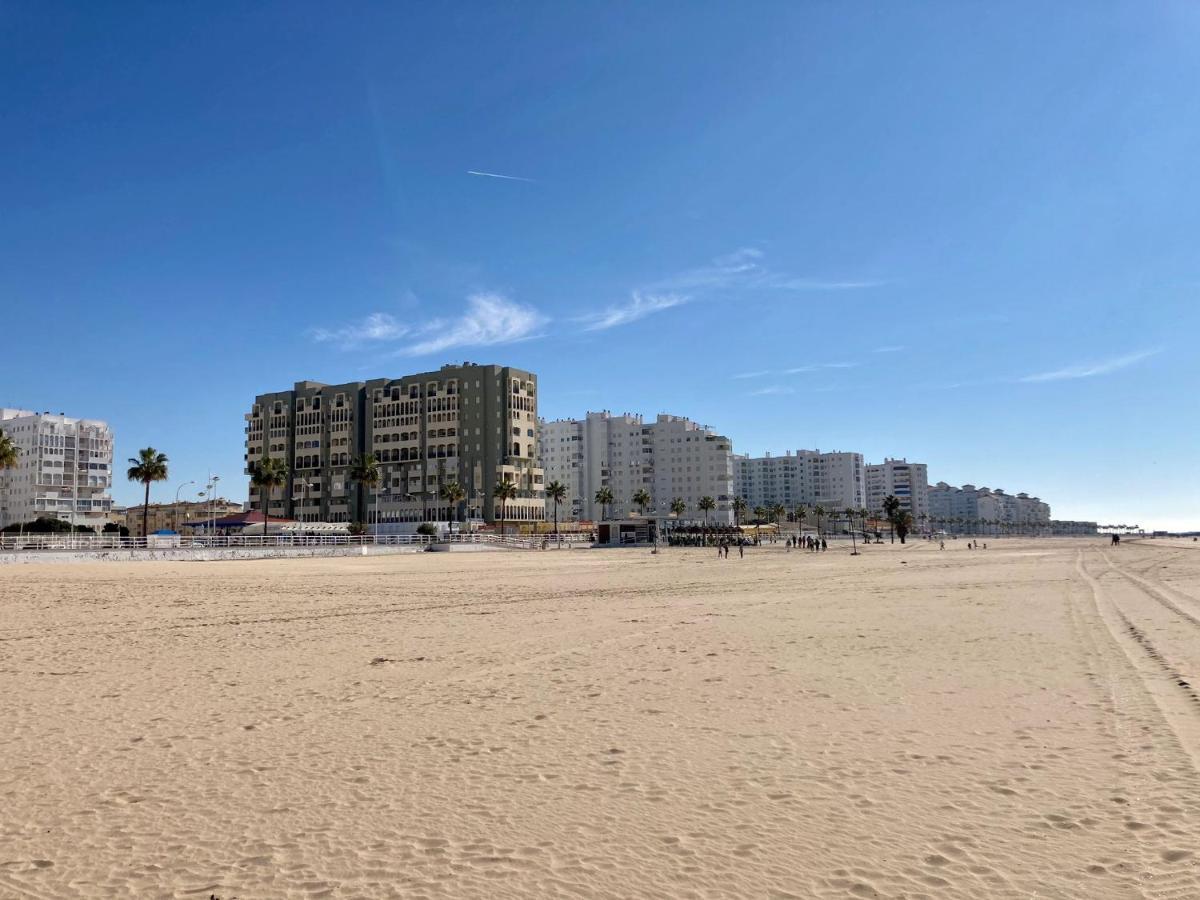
(494, 175)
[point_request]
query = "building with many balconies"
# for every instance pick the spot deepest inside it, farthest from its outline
(806, 478)
(670, 458)
(907, 482)
(471, 424)
(64, 469)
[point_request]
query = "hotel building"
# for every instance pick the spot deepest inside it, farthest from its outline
(64, 469)
(807, 478)
(907, 482)
(671, 457)
(474, 424)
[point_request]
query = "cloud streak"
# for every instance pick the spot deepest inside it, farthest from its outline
(375, 327)
(489, 319)
(1090, 370)
(639, 306)
(497, 175)
(772, 390)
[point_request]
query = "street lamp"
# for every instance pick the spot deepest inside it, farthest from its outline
(175, 515)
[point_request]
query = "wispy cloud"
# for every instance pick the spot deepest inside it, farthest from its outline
(818, 284)
(639, 306)
(1090, 370)
(893, 349)
(375, 327)
(797, 370)
(488, 320)
(817, 367)
(772, 390)
(496, 175)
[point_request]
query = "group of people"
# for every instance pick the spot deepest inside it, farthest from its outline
(808, 542)
(723, 549)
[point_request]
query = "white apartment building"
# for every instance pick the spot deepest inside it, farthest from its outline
(64, 469)
(967, 508)
(907, 482)
(806, 478)
(672, 457)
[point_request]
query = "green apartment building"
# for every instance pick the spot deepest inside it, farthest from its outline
(474, 424)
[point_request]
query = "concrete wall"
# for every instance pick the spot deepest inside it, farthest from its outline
(199, 554)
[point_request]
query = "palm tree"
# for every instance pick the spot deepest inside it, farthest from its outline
(705, 504)
(891, 508)
(739, 509)
(556, 491)
(800, 514)
(604, 497)
(364, 469)
(503, 492)
(8, 459)
(641, 500)
(818, 511)
(778, 511)
(453, 494)
(678, 507)
(149, 465)
(903, 523)
(760, 513)
(268, 474)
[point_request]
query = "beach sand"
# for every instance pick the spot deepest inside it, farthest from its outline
(1017, 722)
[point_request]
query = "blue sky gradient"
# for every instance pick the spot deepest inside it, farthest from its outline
(956, 232)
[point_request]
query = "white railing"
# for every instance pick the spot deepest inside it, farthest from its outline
(11, 542)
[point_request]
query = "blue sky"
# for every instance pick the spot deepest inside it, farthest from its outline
(961, 233)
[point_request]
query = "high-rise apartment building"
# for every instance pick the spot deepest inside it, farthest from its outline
(64, 469)
(671, 457)
(807, 478)
(907, 482)
(965, 508)
(471, 424)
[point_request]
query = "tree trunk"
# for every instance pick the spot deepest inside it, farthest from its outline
(146, 512)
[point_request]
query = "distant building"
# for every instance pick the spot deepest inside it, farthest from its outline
(806, 478)
(64, 469)
(1064, 527)
(671, 457)
(969, 508)
(176, 517)
(907, 482)
(473, 424)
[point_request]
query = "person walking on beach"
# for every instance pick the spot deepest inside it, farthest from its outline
(824, 545)
(741, 550)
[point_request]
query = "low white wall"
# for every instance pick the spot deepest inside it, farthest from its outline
(196, 554)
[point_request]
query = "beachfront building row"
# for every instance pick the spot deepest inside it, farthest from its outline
(63, 471)
(907, 482)
(471, 424)
(179, 516)
(810, 478)
(670, 458)
(960, 508)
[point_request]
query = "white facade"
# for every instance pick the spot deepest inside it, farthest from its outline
(907, 482)
(669, 458)
(806, 478)
(64, 469)
(969, 508)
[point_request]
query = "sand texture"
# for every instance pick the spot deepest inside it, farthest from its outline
(1012, 723)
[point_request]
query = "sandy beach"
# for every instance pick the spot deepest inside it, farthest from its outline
(1017, 722)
